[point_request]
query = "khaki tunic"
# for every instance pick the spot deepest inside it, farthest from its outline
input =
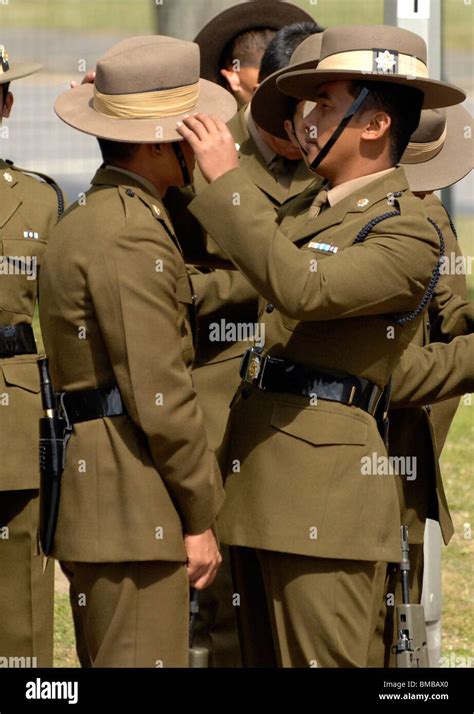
(285, 476)
(117, 311)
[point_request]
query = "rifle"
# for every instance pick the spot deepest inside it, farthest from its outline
(411, 648)
(54, 435)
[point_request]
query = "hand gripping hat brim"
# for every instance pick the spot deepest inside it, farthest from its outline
(269, 106)
(372, 53)
(143, 87)
(224, 27)
(440, 150)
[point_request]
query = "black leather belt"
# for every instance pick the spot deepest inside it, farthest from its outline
(89, 404)
(17, 340)
(273, 374)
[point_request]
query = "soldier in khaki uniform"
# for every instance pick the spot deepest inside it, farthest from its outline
(233, 42)
(341, 305)
(434, 159)
(141, 489)
(29, 208)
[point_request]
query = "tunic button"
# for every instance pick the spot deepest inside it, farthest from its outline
(269, 307)
(129, 192)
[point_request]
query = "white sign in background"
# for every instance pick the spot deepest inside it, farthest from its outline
(414, 9)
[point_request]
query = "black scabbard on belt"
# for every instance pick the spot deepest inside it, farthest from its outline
(273, 374)
(88, 404)
(17, 340)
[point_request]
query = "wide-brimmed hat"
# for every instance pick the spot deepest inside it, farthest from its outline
(214, 37)
(371, 53)
(269, 106)
(143, 86)
(17, 70)
(440, 150)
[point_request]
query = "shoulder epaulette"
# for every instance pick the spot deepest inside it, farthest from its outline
(47, 179)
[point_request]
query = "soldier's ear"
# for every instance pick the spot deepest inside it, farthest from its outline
(377, 126)
(288, 125)
(233, 79)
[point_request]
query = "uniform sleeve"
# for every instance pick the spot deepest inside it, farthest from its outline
(137, 309)
(388, 273)
(434, 373)
(449, 312)
(222, 290)
(451, 315)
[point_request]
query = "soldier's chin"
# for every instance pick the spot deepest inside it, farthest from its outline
(313, 151)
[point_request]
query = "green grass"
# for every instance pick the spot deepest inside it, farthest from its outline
(458, 27)
(458, 581)
(64, 645)
(105, 15)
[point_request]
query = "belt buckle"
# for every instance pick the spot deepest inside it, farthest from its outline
(251, 365)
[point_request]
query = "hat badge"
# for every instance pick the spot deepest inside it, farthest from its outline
(362, 202)
(385, 61)
(4, 58)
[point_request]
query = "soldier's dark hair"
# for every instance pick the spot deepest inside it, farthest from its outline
(117, 151)
(279, 51)
(247, 48)
(5, 90)
(403, 105)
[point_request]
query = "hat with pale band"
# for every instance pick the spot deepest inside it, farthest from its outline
(440, 150)
(371, 53)
(143, 86)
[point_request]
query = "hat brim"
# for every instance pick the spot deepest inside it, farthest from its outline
(452, 163)
(75, 107)
(270, 107)
(216, 35)
(303, 84)
(18, 70)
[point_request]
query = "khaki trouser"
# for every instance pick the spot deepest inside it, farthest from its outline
(299, 611)
(384, 637)
(26, 592)
(133, 614)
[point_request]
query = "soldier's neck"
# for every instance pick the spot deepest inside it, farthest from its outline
(342, 174)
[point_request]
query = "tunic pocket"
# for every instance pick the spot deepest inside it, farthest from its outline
(20, 260)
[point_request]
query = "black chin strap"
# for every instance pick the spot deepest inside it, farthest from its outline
(353, 109)
(182, 163)
(293, 126)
